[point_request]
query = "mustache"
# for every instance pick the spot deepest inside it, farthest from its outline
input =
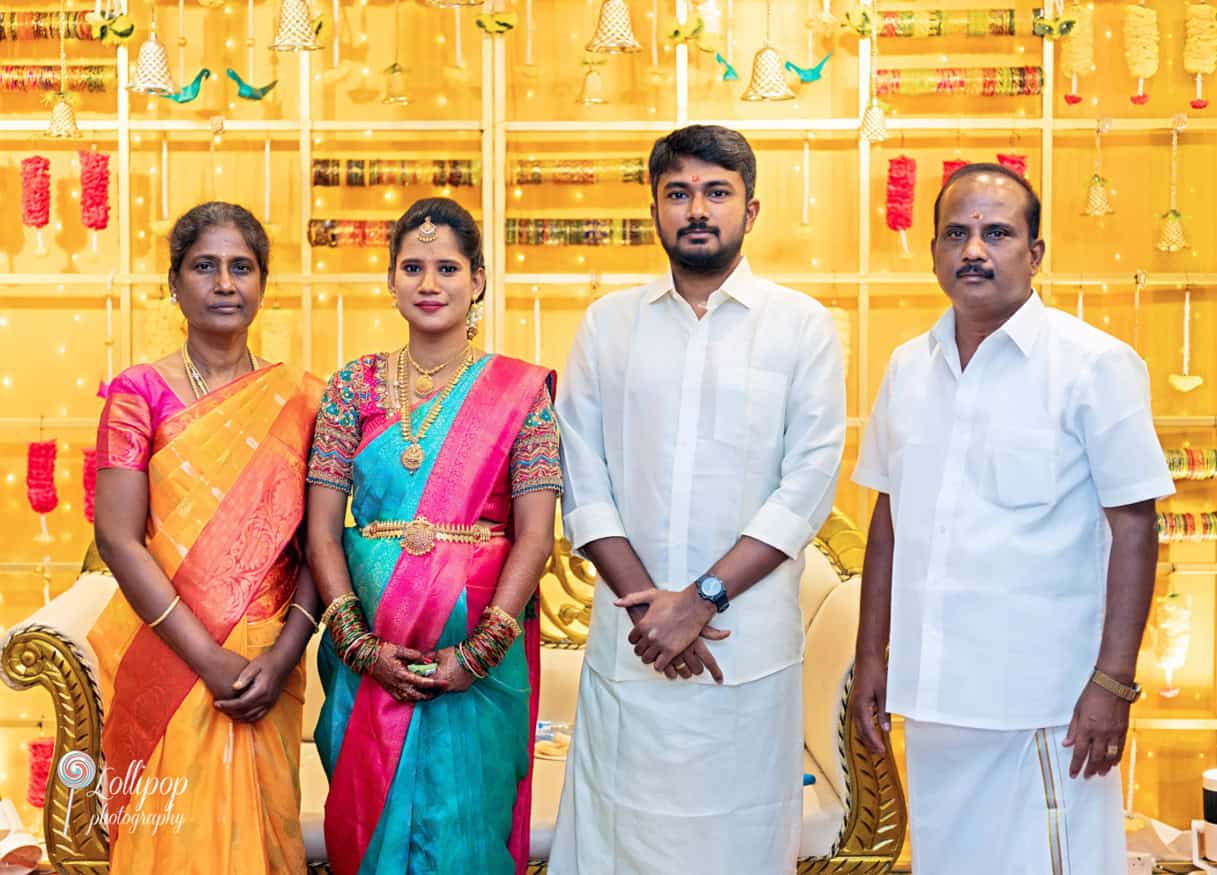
(693, 227)
(974, 270)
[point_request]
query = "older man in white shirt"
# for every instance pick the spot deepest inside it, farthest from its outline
(703, 419)
(1011, 556)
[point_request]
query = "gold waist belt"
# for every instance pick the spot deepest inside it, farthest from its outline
(418, 536)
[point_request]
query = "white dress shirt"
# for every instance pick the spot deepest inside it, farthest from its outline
(682, 434)
(998, 476)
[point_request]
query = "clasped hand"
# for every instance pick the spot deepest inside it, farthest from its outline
(246, 690)
(669, 635)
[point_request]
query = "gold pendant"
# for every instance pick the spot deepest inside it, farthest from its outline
(412, 458)
(423, 384)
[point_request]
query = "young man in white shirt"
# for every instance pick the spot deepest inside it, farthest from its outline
(703, 419)
(1011, 556)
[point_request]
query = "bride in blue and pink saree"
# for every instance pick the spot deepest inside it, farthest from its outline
(430, 661)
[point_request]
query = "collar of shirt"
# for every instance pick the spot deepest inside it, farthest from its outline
(1023, 328)
(738, 286)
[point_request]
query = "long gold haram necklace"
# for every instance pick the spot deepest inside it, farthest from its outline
(197, 384)
(413, 456)
(424, 382)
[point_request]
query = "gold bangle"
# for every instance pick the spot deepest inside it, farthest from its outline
(1129, 693)
(168, 611)
(336, 605)
(301, 609)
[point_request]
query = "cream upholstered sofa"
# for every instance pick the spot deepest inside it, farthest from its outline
(853, 814)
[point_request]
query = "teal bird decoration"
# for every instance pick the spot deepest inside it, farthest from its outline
(247, 91)
(729, 75)
(191, 91)
(809, 74)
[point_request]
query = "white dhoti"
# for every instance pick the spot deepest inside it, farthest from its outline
(1002, 803)
(675, 778)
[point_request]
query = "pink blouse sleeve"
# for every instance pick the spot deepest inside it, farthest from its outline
(124, 436)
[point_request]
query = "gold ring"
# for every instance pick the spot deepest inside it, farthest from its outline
(680, 667)
(1113, 750)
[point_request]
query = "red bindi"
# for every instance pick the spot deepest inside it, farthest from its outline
(697, 179)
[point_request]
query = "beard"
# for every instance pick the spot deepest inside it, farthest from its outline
(704, 260)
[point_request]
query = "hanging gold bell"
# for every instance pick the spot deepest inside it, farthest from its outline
(1098, 201)
(874, 123)
(768, 78)
(395, 85)
(592, 92)
(63, 119)
(295, 32)
(1170, 232)
(614, 32)
(152, 68)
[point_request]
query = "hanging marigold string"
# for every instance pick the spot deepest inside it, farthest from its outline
(1141, 46)
(901, 183)
(36, 195)
(94, 191)
(970, 81)
(40, 481)
(1200, 48)
(950, 166)
(1077, 50)
(88, 474)
(40, 476)
(1017, 163)
(40, 752)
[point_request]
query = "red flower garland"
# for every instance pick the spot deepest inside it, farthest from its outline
(40, 476)
(94, 190)
(89, 476)
(35, 191)
(949, 167)
(901, 180)
(1017, 163)
(41, 751)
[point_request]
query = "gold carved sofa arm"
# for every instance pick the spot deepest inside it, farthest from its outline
(50, 650)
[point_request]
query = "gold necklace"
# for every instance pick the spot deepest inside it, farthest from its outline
(198, 385)
(424, 382)
(413, 456)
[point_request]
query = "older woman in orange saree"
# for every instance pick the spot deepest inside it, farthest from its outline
(200, 500)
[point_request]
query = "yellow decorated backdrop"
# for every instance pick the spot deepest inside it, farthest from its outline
(493, 106)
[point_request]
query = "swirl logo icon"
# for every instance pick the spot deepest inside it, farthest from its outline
(76, 770)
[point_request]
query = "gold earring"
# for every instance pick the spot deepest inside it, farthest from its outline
(474, 316)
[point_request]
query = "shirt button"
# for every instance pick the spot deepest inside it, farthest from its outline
(942, 530)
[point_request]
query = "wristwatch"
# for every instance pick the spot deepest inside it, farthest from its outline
(713, 590)
(1117, 689)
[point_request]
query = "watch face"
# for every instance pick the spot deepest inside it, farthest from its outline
(711, 587)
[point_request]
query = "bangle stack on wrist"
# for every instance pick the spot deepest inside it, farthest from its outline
(488, 643)
(353, 641)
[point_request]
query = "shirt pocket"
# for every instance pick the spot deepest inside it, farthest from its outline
(749, 407)
(1022, 467)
